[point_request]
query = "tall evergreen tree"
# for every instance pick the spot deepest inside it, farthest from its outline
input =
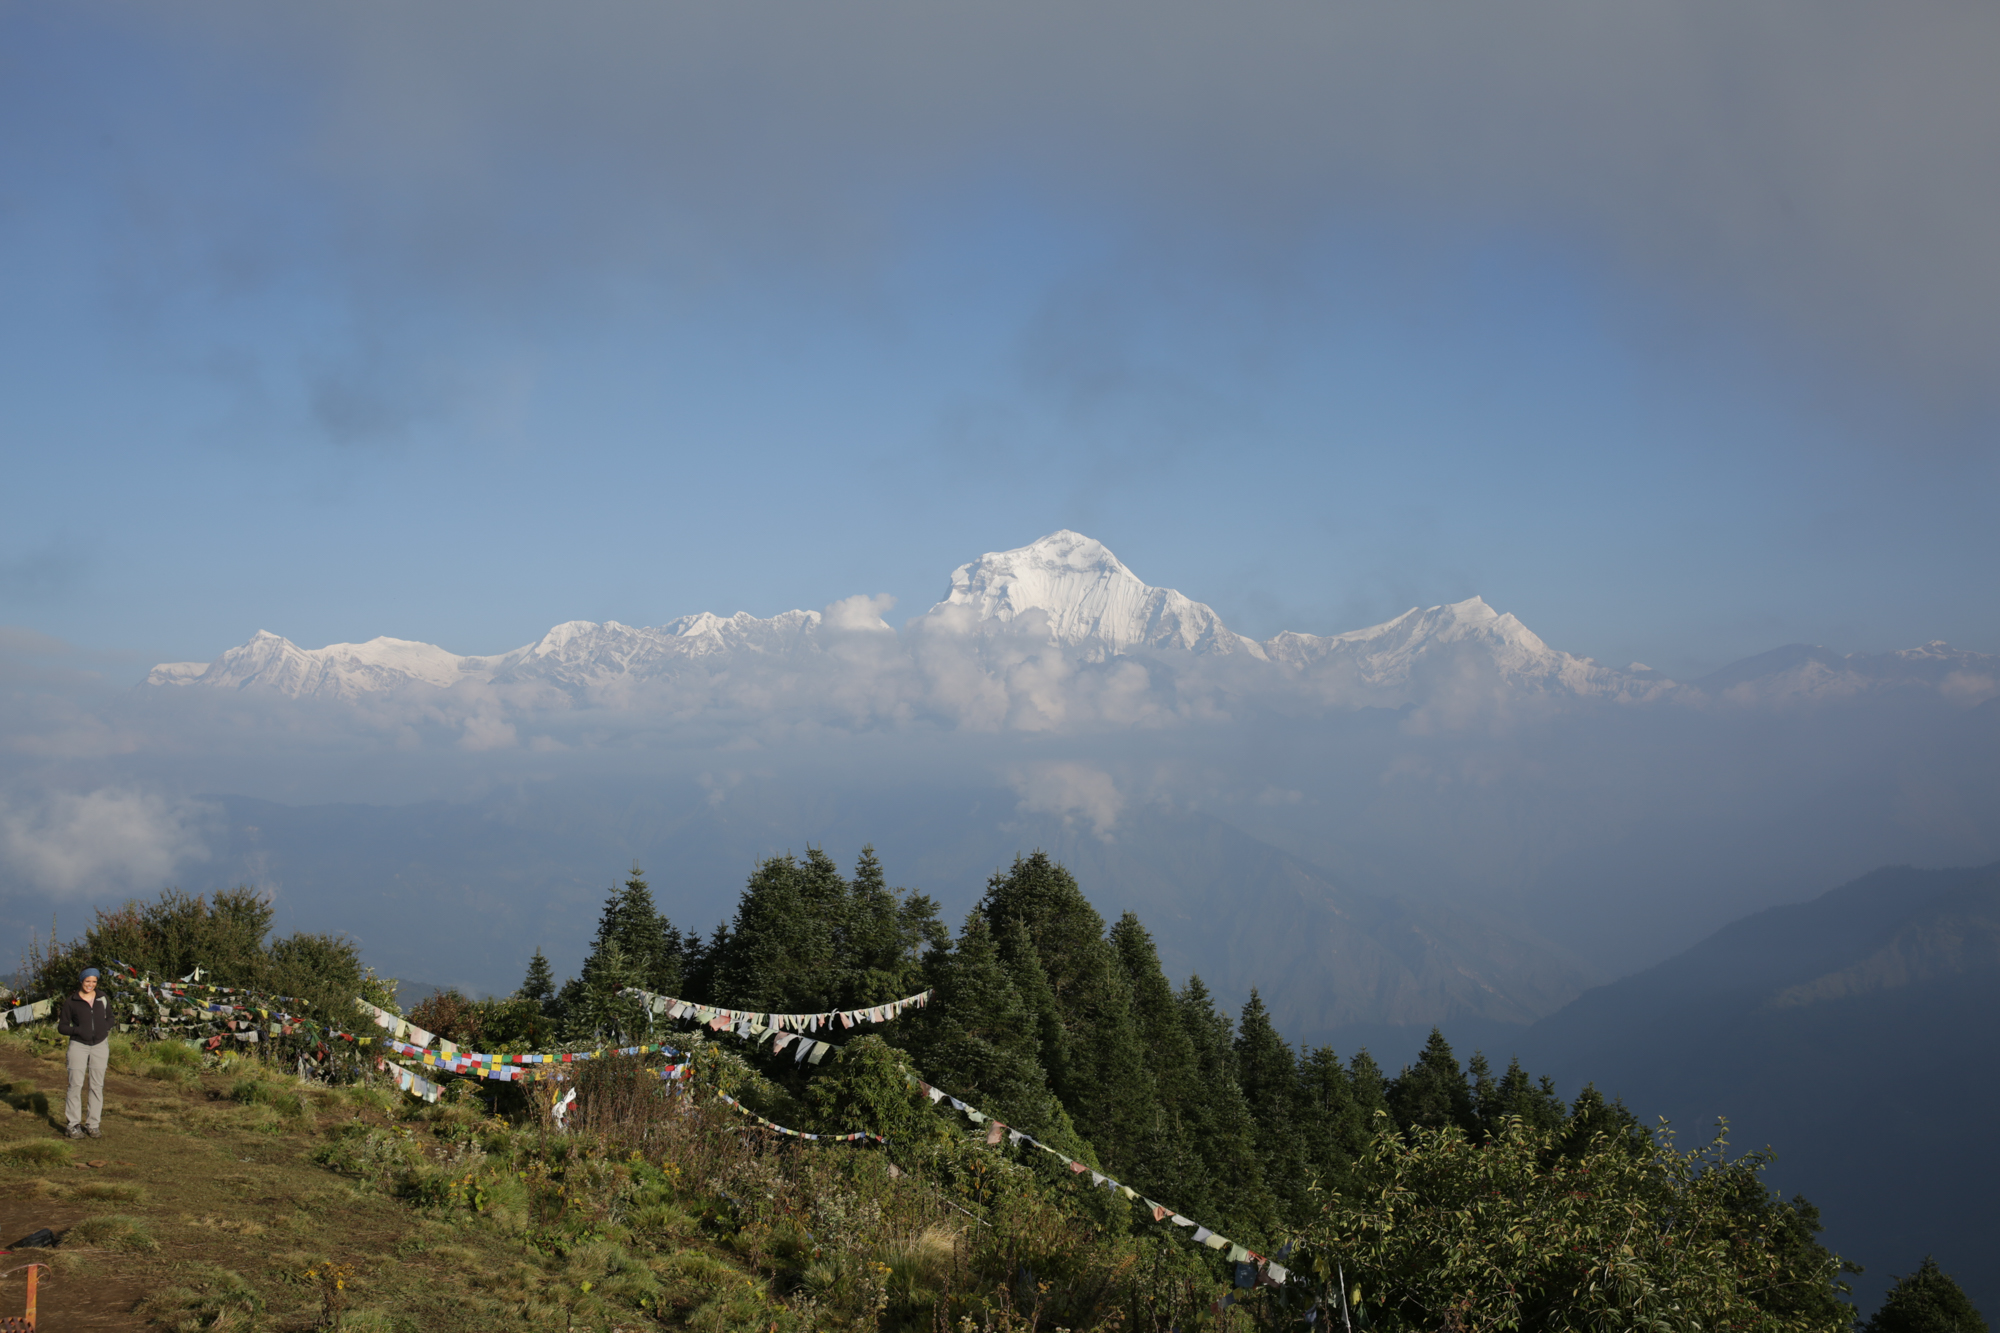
(976, 1038)
(1926, 1301)
(1268, 1074)
(805, 939)
(1433, 1092)
(1371, 1089)
(1038, 998)
(780, 952)
(636, 947)
(598, 1005)
(1335, 1126)
(885, 935)
(1102, 1078)
(540, 983)
(1170, 1161)
(1223, 1126)
(1515, 1094)
(651, 945)
(1591, 1115)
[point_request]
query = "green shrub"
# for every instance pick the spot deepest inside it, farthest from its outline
(866, 1089)
(370, 1153)
(182, 1054)
(369, 1097)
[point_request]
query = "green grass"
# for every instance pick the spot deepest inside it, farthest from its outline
(239, 1189)
(35, 1154)
(113, 1191)
(115, 1231)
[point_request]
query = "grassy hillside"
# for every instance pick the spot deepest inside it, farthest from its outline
(224, 1195)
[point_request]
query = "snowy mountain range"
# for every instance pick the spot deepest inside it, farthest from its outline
(1068, 593)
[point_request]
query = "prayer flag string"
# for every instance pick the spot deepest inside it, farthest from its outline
(757, 1024)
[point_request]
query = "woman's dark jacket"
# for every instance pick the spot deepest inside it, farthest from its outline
(84, 1021)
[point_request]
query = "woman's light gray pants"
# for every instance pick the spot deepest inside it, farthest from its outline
(86, 1062)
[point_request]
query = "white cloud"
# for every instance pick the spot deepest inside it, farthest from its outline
(1070, 790)
(861, 612)
(106, 840)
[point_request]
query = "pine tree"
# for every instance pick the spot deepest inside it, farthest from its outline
(1335, 1127)
(598, 1005)
(1926, 1301)
(635, 947)
(1269, 1077)
(652, 948)
(1515, 1094)
(1592, 1115)
(805, 939)
(1170, 1163)
(1024, 967)
(976, 1038)
(1432, 1093)
(1371, 1089)
(779, 954)
(1223, 1127)
(1102, 1078)
(540, 983)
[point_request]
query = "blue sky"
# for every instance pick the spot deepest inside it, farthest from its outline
(349, 323)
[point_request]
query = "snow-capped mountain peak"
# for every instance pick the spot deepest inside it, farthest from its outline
(340, 670)
(1395, 658)
(1092, 601)
(1069, 592)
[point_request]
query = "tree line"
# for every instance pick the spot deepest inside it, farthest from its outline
(1068, 1027)
(1444, 1194)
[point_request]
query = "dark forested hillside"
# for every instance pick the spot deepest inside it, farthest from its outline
(1058, 1023)
(1854, 1033)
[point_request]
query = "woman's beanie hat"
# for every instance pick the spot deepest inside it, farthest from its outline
(89, 972)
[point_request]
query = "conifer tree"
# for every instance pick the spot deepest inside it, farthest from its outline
(1269, 1077)
(1170, 1162)
(1223, 1127)
(779, 953)
(1024, 966)
(805, 939)
(976, 1038)
(635, 947)
(885, 936)
(540, 983)
(597, 1005)
(652, 947)
(1102, 1078)
(1432, 1092)
(1592, 1115)
(1371, 1089)
(1515, 1094)
(1335, 1127)
(1926, 1301)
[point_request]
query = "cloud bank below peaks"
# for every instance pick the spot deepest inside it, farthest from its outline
(1054, 637)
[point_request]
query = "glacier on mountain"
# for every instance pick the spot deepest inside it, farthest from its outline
(1055, 633)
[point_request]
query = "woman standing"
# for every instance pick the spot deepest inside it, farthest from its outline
(86, 1021)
